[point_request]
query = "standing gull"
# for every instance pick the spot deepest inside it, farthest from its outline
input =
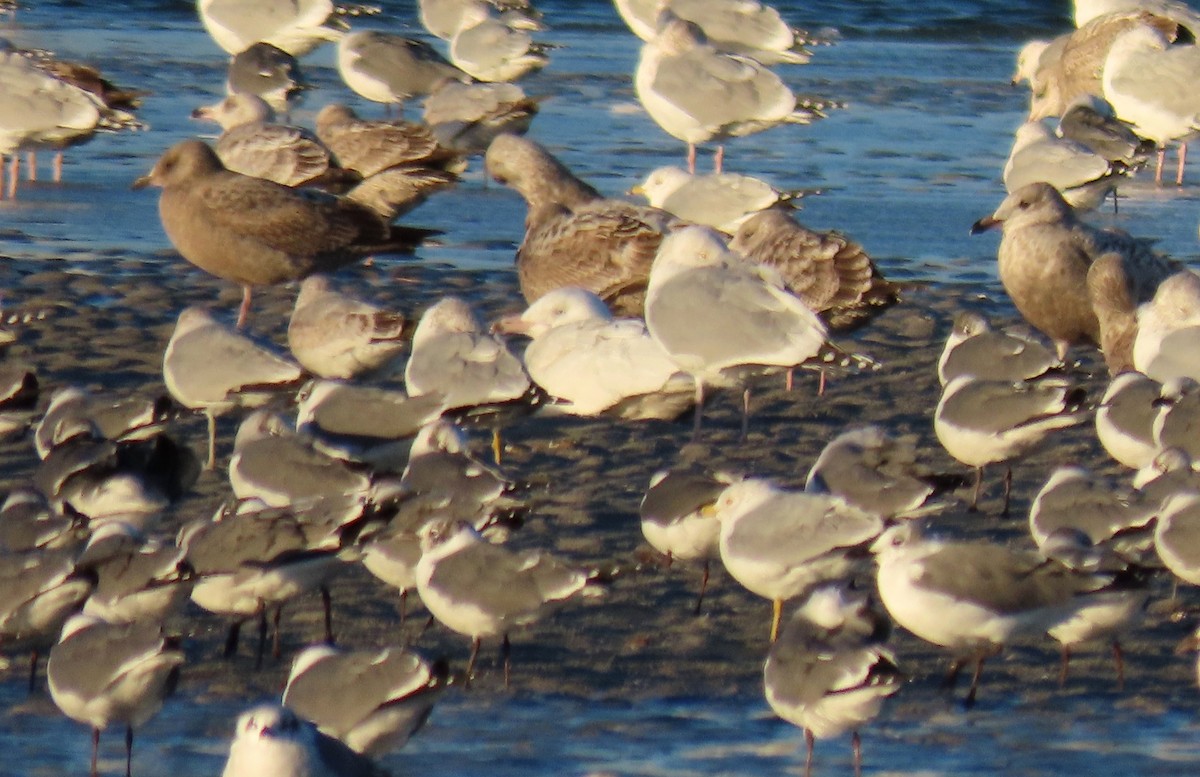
(573, 235)
(696, 93)
(782, 544)
(102, 673)
(272, 741)
(830, 670)
(256, 232)
(208, 366)
(715, 313)
(294, 27)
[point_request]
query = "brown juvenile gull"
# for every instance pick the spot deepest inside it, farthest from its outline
(468, 117)
(102, 673)
(251, 143)
(335, 335)
(831, 669)
(831, 273)
(208, 366)
(696, 93)
(388, 68)
(373, 700)
(573, 235)
(1045, 256)
(256, 232)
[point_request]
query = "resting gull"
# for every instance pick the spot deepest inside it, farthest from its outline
(697, 93)
(591, 363)
(268, 72)
(1167, 328)
(444, 17)
(388, 68)
(722, 201)
(256, 232)
(973, 348)
(295, 27)
(831, 668)
(1125, 418)
(488, 49)
(1083, 177)
(335, 335)
(273, 741)
(573, 235)
(468, 117)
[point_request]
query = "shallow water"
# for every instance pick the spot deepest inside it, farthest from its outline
(631, 685)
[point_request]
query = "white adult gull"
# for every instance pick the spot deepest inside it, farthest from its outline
(488, 49)
(1125, 418)
(268, 72)
(294, 27)
(722, 201)
(973, 348)
(590, 363)
(697, 93)
(715, 313)
(373, 700)
(1084, 177)
(338, 336)
(273, 741)
(831, 669)
(781, 544)
(389, 68)
(1167, 328)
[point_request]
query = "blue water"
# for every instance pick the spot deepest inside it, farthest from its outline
(906, 167)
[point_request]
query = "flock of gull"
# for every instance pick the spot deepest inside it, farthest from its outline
(634, 312)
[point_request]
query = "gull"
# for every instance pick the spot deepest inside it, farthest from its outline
(781, 544)
(334, 335)
(971, 597)
(678, 520)
(388, 68)
(976, 350)
(1076, 500)
(981, 422)
(18, 398)
(1125, 418)
(1175, 536)
(366, 424)
(273, 741)
(1146, 79)
(1167, 326)
(483, 590)
(830, 272)
(573, 235)
(73, 410)
(442, 18)
(1104, 614)
(473, 371)
(1087, 10)
(268, 72)
(877, 473)
(102, 673)
(590, 363)
(256, 232)
(1178, 417)
(750, 319)
(488, 49)
(209, 366)
(370, 147)
(831, 668)
(294, 27)
(1045, 256)
(251, 143)
(1082, 176)
(749, 28)
(696, 93)
(28, 523)
(468, 117)
(1091, 122)
(147, 581)
(373, 700)
(722, 201)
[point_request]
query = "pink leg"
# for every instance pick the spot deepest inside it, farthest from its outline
(1158, 166)
(719, 158)
(3, 193)
(58, 160)
(1182, 162)
(14, 170)
(31, 160)
(691, 158)
(244, 310)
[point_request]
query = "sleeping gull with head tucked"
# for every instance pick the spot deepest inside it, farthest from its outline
(273, 741)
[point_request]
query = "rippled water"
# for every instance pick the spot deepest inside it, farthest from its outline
(906, 167)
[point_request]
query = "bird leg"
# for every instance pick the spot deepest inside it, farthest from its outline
(327, 603)
(951, 678)
(33, 666)
(231, 639)
(821, 382)
(776, 615)
(703, 588)
(403, 607)
(276, 650)
(475, 643)
(788, 381)
(95, 750)
(809, 740)
(31, 163)
(970, 700)
(856, 749)
(1182, 162)
(1064, 666)
(745, 412)
(506, 658)
(262, 638)
(1160, 157)
(719, 158)
(699, 410)
(58, 162)
(211, 464)
(691, 158)
(14, 171)
(1119, 663)
(1007, 490)
(974, 507)
(128, 750)
(244, 310)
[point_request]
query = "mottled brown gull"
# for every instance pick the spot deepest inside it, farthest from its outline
(468, 117)
(252, 143)
(335, 335)
(696, 93)
(256, 232)
(573, 235)
(369, 147)
(1045, 256)
(831, 273)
